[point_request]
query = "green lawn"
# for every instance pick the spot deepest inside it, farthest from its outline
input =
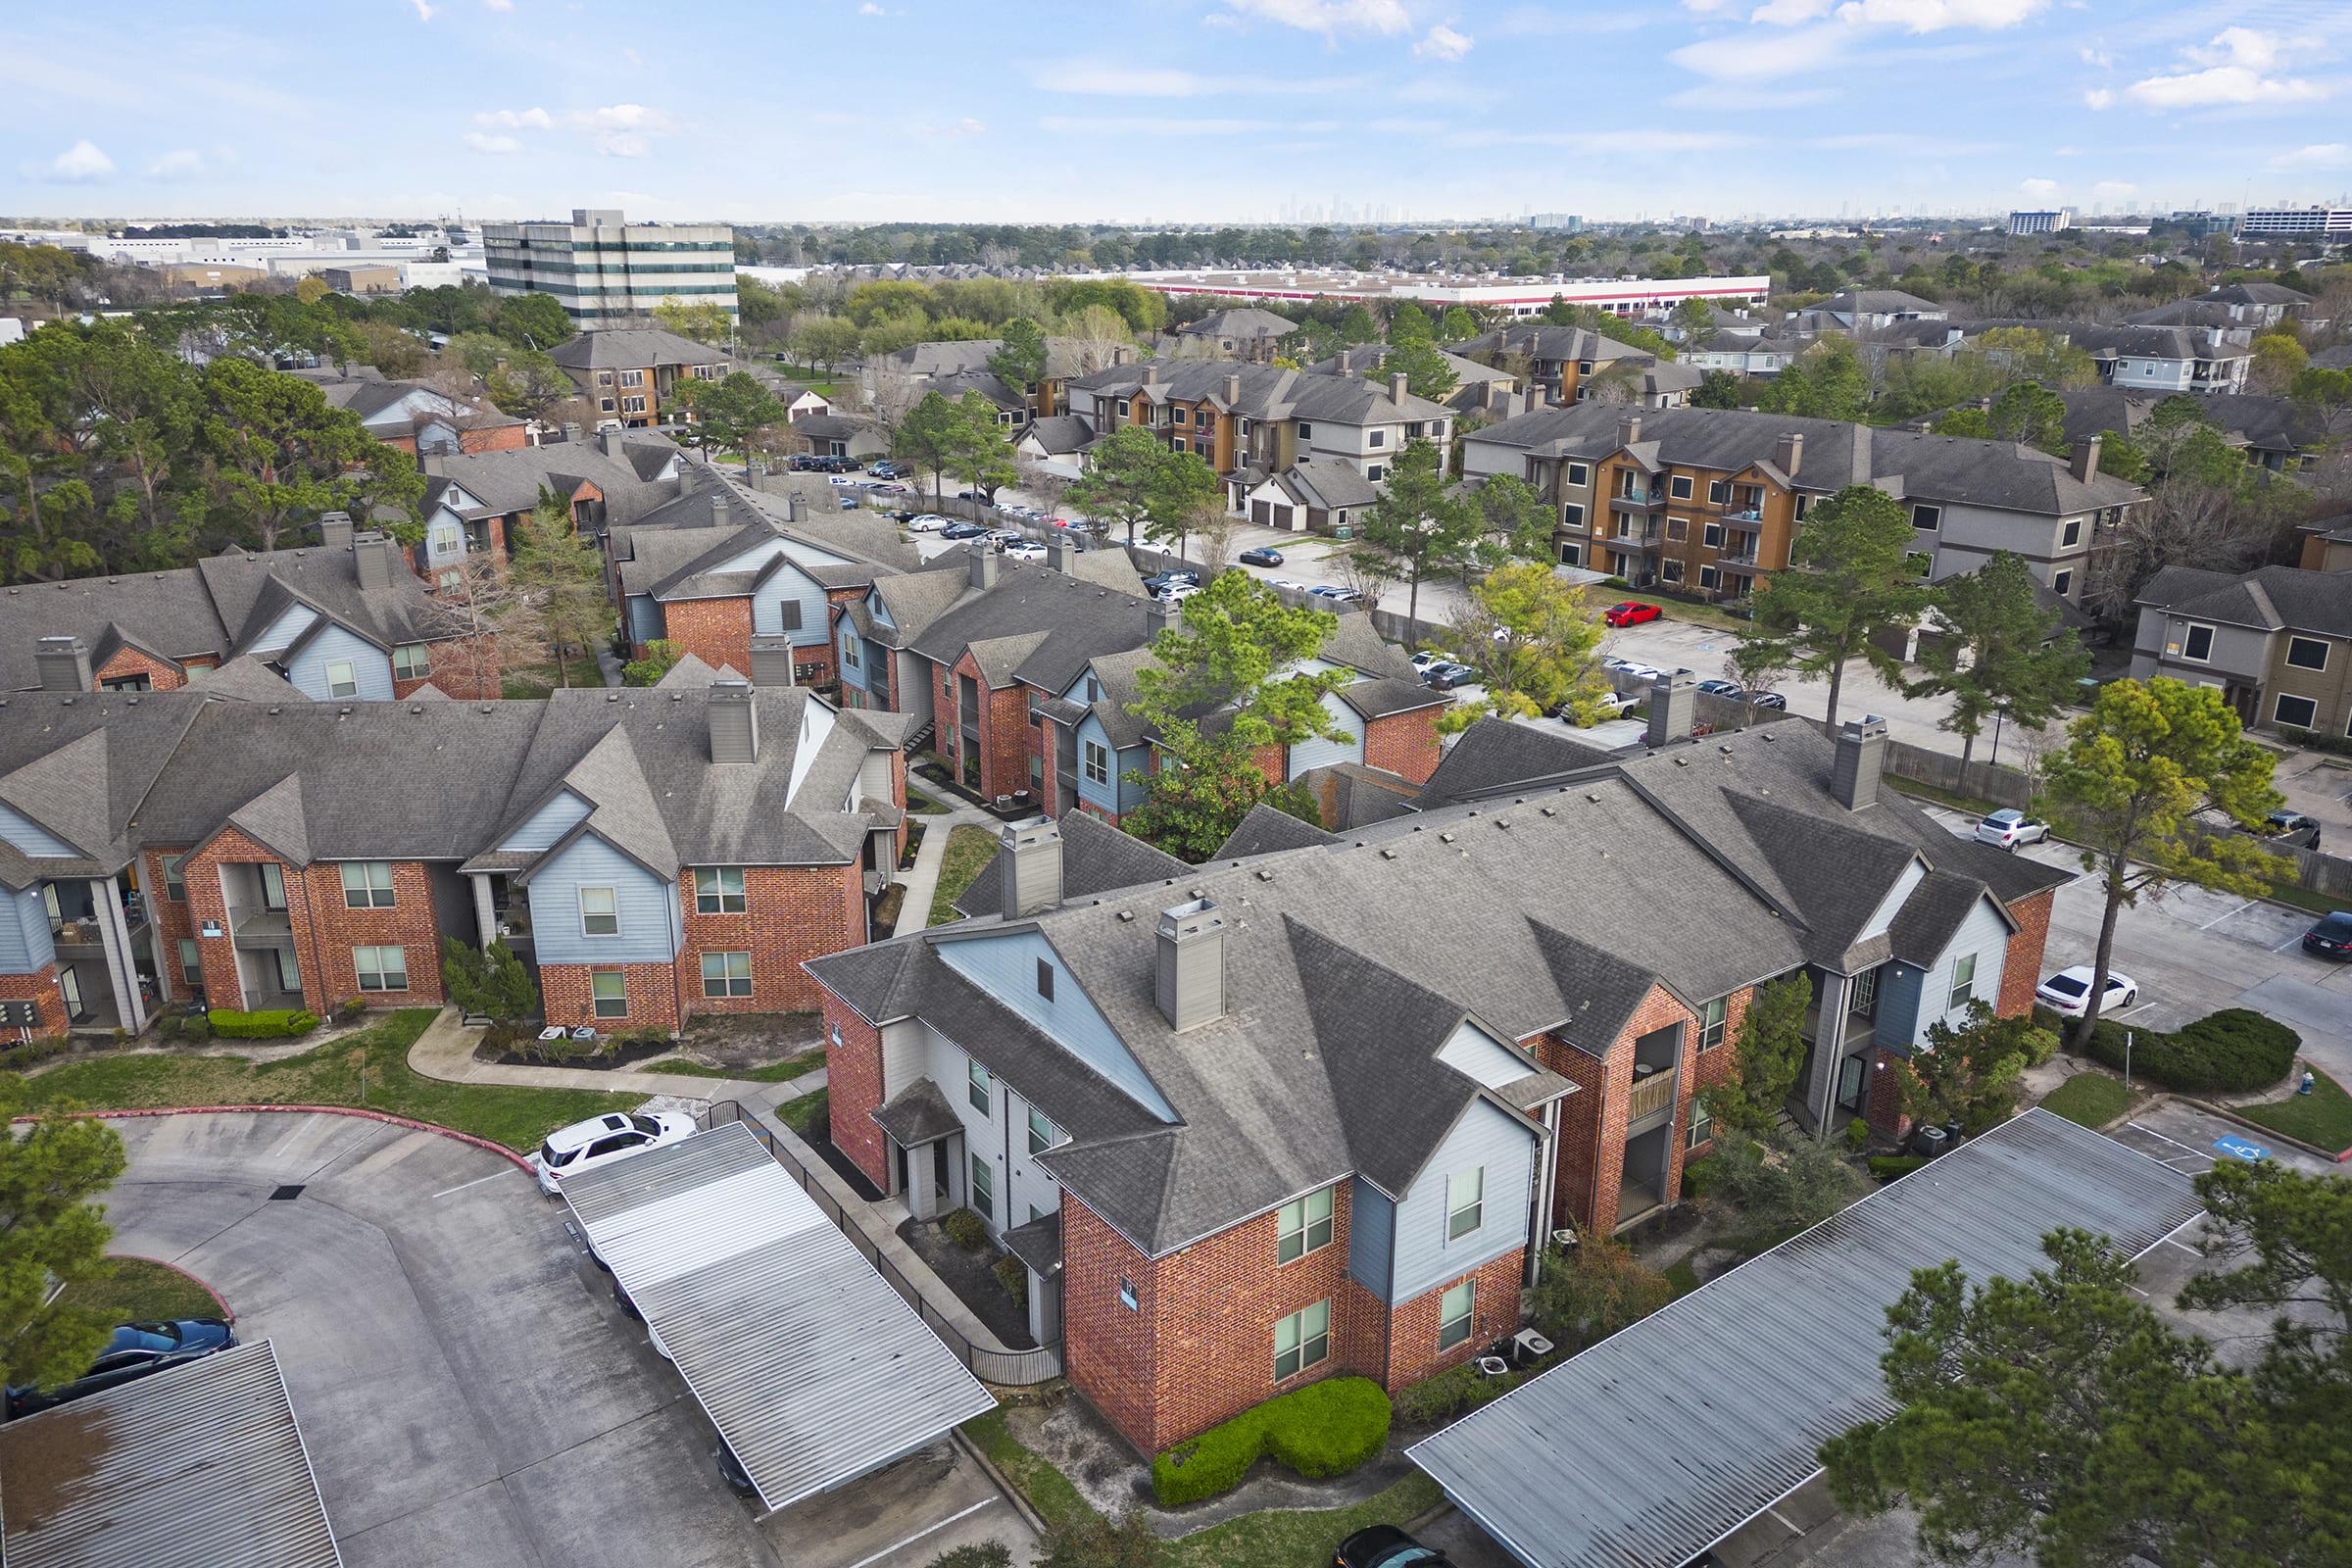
(775, 1072)
(369, 1070)
(2088, 1098)
(1050, 1491)
(2304, 899)
(2322, 1119)
(140, 1290)
(923, 805)
(969, 849)
(804, 1112)
(1681, 1276)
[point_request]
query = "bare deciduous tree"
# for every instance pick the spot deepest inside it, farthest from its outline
(479, 599)
(1211, 528)
(892, 390)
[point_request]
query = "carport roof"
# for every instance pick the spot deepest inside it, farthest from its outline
(198, 1467)
(814, 1370)
(1657, 1442)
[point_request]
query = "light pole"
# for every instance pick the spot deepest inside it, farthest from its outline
(2000, 711)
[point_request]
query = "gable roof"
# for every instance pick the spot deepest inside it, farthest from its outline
(631, 348)
(2266, 599)
(1095, 858)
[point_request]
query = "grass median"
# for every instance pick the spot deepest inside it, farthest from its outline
(2322, 1119)
(138, 1290)
(368, 1070)
(969, 849)
(2088, 1100)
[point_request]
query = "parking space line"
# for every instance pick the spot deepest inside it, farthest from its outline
(2219, 919)
(476, 1182)
(928, 1530)
(2185, 1247)
(2175, 1142)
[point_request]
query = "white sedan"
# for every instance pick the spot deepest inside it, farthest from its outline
(928, 522)
(1025, 549)
(2068, 993)
(602, 1140)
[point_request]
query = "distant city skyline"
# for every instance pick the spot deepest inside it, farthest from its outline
(1229, 111)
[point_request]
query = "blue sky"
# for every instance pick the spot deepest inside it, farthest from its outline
(1149, 109)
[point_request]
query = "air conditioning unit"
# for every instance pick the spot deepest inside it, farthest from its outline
(1564, 1239)
(1492, 1366)
(1527, 1345)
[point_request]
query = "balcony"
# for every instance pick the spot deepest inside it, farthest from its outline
(1744, 561)
(1743, 520)
(1650, 1096)
(1649, 501)
(261, 928)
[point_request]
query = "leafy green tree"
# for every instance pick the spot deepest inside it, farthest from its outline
(52, 1232)
(2013, 354)
(1417, 528)
(1122, 478)
(1020, 364)
(563, 575)
(481, 353)
(977, 1555)
(1425, 371)
(1459, 326)
(1716, 389)
(2276, 360)
(398, 352)
(701, 323)
(280, 452)
(2294, 1233)
(534, 320)
(823, 342)
(1825, 382)
(1583, 1297)
(1533, 636)
(1695, 317)
(1971, 1075)
(2137, 770)
(660, 657)
(2001, 652)
(1769, 1051)
(2324, 394)
(1850, 577)
(980, 455)
(736, 411)
(1355, 325)
(1409, 324)
(530, 384)
(930, 437)
(1183, 492)
(2031, 414)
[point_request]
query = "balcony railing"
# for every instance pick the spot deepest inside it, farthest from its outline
(1650, 1096)
(1745, 521)
(1649, 502)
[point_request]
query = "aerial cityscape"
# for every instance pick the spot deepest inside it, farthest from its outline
(1283, 784)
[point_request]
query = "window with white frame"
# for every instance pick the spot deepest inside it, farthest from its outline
(1572, 514)
(1302, 1225)
(1708, 577)
(980, 1088)
(1375, 473)
(984, 1188)
(1703, 1125)
(1711, 1017)
(1301, 1341)
(1719, 492)
(608, 994)
(412, 662)
(342, 678)
(1376, 437)
(1926, 517)
(1183, 414)
(1098, 762)
(2307, 653)
(726, 974)
(2296, 712)
(1465, 1203)
(447, 539)
(1306, 430)
(381, 969)
(174, 887)
(2072, 535)
(1572, 555)
(1964, 982)
(1043, 1134)
(1711, 536)
(2060, 582)
(1455, 1310)
(1679, 487)
(718, 890)
(1127, 1294)
(2196, 644)
(367, 884)
(1670, 571)
(600, 912)
(1577, 474)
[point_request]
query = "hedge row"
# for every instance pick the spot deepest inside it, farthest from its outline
(1452, 1393)
(1325, 1429)
(277, 1024)
(2229, 1052)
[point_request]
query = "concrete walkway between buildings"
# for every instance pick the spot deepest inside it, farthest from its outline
(923, 878)
(445, 1050)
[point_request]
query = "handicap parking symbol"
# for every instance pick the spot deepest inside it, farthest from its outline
(2238, 1147)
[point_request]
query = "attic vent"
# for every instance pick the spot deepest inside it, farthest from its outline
(1681, 762)
(1595, 798)
(275, 711)
(1265, 876)
(1550, 811)
(1388, 855)
(1126, 914)
(1502, 821)
(612, 697)
(132, 701)
(1724, 749)
(1444, 838)
(344, 711)
(1770, 737)
(415, 708)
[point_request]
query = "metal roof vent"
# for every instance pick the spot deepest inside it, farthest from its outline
(1548, 811)
(1444, 838)
(1126, 915)
(1388, 855)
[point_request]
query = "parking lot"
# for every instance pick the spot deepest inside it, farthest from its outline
(468, 1389)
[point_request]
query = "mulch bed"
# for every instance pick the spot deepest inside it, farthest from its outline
(625, 1056)
(967, 1271)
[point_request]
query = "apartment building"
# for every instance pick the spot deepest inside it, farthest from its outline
(2246, 308)
(630, 375)
(2275, 641)
(343, 621)
(932, 365)
(606, 271)
(2328, 544)
(1707, 501)
(2273, 433)
(474, 502)
(418, 419)
(2132, 357)
(1477, 387)
(1246, 1126)
(1867, 310)
(1245, 332)
(651, 855)
(2047, 222)
(1559, 358)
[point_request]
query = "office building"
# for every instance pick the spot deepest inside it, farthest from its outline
(608, 271)
(2048, 222)
(2326, 222)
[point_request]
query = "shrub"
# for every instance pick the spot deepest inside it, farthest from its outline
(1449, 1394)
(2229, 1052)
(350, 1008)
(1014, 1276)
(196, 1028)
(1886, 1167)
(966, 1228)
(25, 1053)
(980, 1554)
(276, 1023)
(1857, 1134)
(1325, 1429)
(168, 1026)
(1585, 1294)
(1697, 1177)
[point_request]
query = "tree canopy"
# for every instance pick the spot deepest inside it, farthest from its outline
(52, 1231)
(2000, 652)
(1852, 576)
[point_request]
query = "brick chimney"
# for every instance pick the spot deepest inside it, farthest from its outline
(1151, 375)
(984, 563)
(64, 663)
(2085, 460)
(734, 722)
(1124, 354)
(1030, 868)
(1396, 386)
(1629, 429)
(1190, 971)
(1788, 451)
(1673, 702)
(1861, 759)
(371, 554)
(334, 530)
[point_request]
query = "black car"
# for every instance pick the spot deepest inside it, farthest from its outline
(962, 530)
(1444, 677)
(2331, 937)
(1387, 1547)
(138, 1351)
(1164, 579)
(732, 1472)
(1261, 557)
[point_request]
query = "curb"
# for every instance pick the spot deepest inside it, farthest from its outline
(1012, 1494)
(2337, 1155)
(385, 1117)
(228, 1313)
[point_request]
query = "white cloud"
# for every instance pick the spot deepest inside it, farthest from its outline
(2237, 69)
(2099, 58)
(1789, 12)
(2241, 47)
(1110, 79)
(425, 12)
(1702, 96)
(81, 164)
(496, 146)
(1709, 8)
(1444, 43)
(1754, 57)
(1330, 18)
(1934, 15)
(2038, 187)
(2097, 97)
(870, 9)
(2318, 154)
(187, 163)
(499, 5)
(621, 130)
(2113, 190)
(514, 118)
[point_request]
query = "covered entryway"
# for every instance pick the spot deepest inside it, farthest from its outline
(926, 1137)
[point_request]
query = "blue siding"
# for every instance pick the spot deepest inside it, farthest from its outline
(370, 666)
(1899, 990)
(547, 823)
(1005, 967)
(1984, 934)
(648, 905)
(1120, 794)
(1371, 1237)
(789, 585)
(1485, 1136)
(1348, 746)
(25, 945)
(290, 625)
(645, 619)
(30, 836)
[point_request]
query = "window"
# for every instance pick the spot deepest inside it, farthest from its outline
(2307, 653)
(605, 404)
(367, 884)
(381, 969)
(1572, 514)
(1375, 473)
(1098, 762)
(1303, 1225)
(1572, 555)
(1708, 577)
(984, 1188)
(726, 974)
(412, 662)
(1678, 529)
(1964, 981)
(2297, 712)
(1577, 474)
(2072, 535)
(1679, 487)
(980, 1087)
(1181, 445)
(1412, 430)
(2196, 644)
(273, 885)
(174, 887)
(1703, 1125)
(1803, 502)
(632, 405)
(1455, 1314)
(342, 678)
(608, 994)
(1584, 367)
(1184, 416)
(1043, 1134)
(1465, 1203)
(1045, 979)
(1711, 536)
(1670, 571)
(1306, 430)
(1926, 518)
(1376, 438)
(604, 378)
(718, 890)
(1719, 492)
(1120, 408)
(1127, 1294)
(633, 378)
(191, 961)
(600, 912)
(1864, 1002)
(2060, 582)
(848, 651)
(1301, 1340)
(1710, 1024)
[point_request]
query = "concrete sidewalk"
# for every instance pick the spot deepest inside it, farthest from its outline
(921, 880)
(445, 1050)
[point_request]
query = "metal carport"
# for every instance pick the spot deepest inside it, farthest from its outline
(1665, 1437)
(812, 1368)
(201, 1466)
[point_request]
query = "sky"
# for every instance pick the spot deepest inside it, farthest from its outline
(1148, 110)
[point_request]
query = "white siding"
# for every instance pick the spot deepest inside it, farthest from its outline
(1348, 746)
(647, 907)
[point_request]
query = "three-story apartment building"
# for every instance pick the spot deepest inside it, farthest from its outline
(631, 374)
(2275, 641)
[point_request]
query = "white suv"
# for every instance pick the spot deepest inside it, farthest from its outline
(600, 1140)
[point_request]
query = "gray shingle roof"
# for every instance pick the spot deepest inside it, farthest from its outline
(1267, 392)
(2269, 598)
(1096, 857)
(1266, 829)
(1244, 322)
(631, 348)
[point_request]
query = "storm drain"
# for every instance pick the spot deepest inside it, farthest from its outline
(284, 1193)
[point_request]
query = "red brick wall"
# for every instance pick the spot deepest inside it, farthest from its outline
(1003, 722)
(651, 991)
(791, 913)
(409, 923)
(853, 1088)
(162, 674)
(1709, 1069)
(207, 901)
(1405, 744)
(168, 917)
(1592, 1142)
(1883, 1109)
(716, 631)
(40, 989)
(2020, 964)
(1413, 1352)
(493, 438)
(1112, 1352)
(454, 671)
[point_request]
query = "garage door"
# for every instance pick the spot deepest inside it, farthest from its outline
(1261, 512)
